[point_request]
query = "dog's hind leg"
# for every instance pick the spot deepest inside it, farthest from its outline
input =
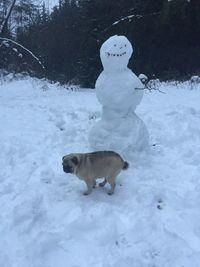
(111, 181)
(94, 183)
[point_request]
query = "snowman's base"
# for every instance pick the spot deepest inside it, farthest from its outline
(124, 135)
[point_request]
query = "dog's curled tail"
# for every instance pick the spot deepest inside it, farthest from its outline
(126, 166)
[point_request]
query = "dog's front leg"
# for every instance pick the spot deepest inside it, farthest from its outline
(89, 184)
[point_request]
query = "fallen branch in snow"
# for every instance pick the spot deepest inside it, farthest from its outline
(130, 17)
(24, 48)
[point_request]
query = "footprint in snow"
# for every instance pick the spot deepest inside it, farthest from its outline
(94, 115)
(61, 125)
(160, 204)
(58, 119)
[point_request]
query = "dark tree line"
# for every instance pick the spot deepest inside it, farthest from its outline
(15, 15)
(165, 37)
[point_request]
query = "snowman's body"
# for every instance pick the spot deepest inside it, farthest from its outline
(119, 129)
(117, 90)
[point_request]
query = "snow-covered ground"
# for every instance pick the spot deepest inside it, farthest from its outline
(153, 219)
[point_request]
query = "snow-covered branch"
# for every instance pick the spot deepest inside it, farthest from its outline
(130, 18)
(6, 40)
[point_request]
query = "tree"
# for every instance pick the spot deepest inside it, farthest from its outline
(6, 16)
(11, 51)
(165, 36)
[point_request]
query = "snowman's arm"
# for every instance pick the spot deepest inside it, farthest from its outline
(150, 88)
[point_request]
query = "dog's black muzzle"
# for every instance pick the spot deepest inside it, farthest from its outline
(67, 169)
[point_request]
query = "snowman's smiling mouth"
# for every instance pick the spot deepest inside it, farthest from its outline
(115, 55)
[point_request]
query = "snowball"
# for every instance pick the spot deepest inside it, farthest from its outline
(123, 135)
(115, 53)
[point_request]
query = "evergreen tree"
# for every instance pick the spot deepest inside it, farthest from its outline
(165, 36)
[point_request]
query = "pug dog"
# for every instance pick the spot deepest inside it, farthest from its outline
(91, 166)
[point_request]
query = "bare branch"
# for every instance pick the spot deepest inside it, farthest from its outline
(25, 49)
(130, 18)
(151, 85)
(150, 89)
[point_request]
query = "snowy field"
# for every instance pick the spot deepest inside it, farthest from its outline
(152, 220)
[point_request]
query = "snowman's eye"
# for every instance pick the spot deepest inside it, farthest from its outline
(125, 45)
(115, 45)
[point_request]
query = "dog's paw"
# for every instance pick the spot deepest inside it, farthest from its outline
(110, 193)
(86, 193)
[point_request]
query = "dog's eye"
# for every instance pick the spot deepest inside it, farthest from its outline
(74, 160)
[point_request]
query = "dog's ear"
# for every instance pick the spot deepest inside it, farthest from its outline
(63, 158)
(75, 160)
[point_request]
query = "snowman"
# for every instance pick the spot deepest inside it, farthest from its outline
(119, 92)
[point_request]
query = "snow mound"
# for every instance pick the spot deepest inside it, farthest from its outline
(45, 221)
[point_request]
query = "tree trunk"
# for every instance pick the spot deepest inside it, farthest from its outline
(5, 22)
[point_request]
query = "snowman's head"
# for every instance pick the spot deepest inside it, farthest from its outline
(115, 53)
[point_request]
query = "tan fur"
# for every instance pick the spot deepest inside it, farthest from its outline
(91, 166)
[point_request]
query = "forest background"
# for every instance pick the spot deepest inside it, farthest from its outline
(66, 39)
